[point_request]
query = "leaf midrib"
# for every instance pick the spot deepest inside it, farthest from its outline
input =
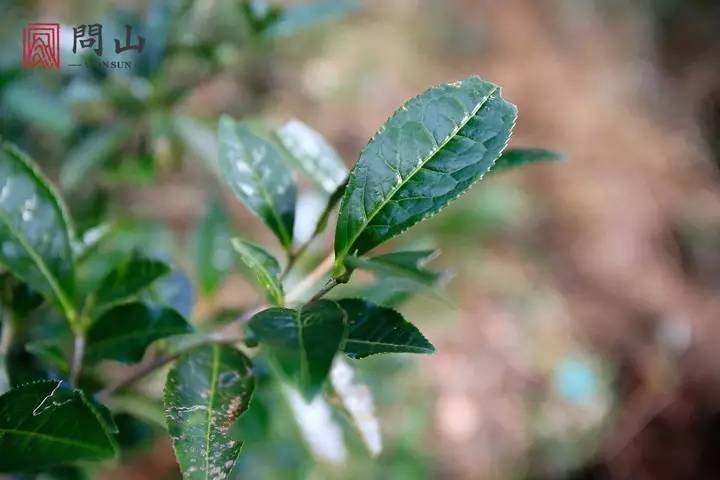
(386, 344)
(63, 440)
(421, 165)
(59, 293)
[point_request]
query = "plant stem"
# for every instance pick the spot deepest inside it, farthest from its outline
(332, 283)
(310, 280)
(221, 335)
(77, 357)
(8, 331)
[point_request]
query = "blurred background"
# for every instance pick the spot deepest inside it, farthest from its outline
(577, 337)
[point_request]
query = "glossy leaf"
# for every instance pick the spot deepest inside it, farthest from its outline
(129, 278)
(35, 235)
(263, 267)
(207, 390)
(427, 154)
(125, 331)
(256, 172)
(212, 252)
(47, 423)
(302, 342)
(404, 267)
(315, 157)
(517, 157)
(373, 329)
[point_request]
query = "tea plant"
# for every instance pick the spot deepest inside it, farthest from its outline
(432, 150)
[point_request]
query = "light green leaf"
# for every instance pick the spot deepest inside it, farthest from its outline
(45, 424)
(301, 17)
(91, 152)
(407, 268)
(50, 350)
(128, 279)
(256, 172)
(206, 391)
(35, 233)
(263, 266)
(517, 157)
(212, 252)
(29, 101)
(302, 342)
(317, 159)
(373, 329)
(125, 331)
(427, 154)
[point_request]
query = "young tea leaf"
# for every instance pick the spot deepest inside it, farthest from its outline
(212, 252)
(207, 390)
(373, 329)
(407, 268)
(317, 159)
(428, 153)
(302, 342)
(128, 279)
(34, 230)
(125, 331)
(254, 168)
(517, 157)
(262, 266)
(47, 423)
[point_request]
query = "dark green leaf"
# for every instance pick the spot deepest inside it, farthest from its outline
(404, 267)
(212, 252)
(91, 153)
(262, 266)
(45, 424)
(125, 331)
(315, 157)
(34, 230)
(374, 329)
(128, 279)
(256, 172)
(427, 154)
(206, 391)
(517, 157)
(302, 342)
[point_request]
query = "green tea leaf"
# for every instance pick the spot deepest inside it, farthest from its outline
(207, 390)
(35, 233)
(427, 154)
(91, 153)
(301, 17)
(51, 352)
(212, 252)
(373, 329)
(47, 423)
(125, 331)
(517, 157)
(315, 157)
(302, 342)
(256, 172)
(404, 267)
(263, 267)
(128, 279)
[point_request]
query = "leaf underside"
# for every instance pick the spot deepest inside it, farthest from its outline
(207, 390)
(428, 153)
